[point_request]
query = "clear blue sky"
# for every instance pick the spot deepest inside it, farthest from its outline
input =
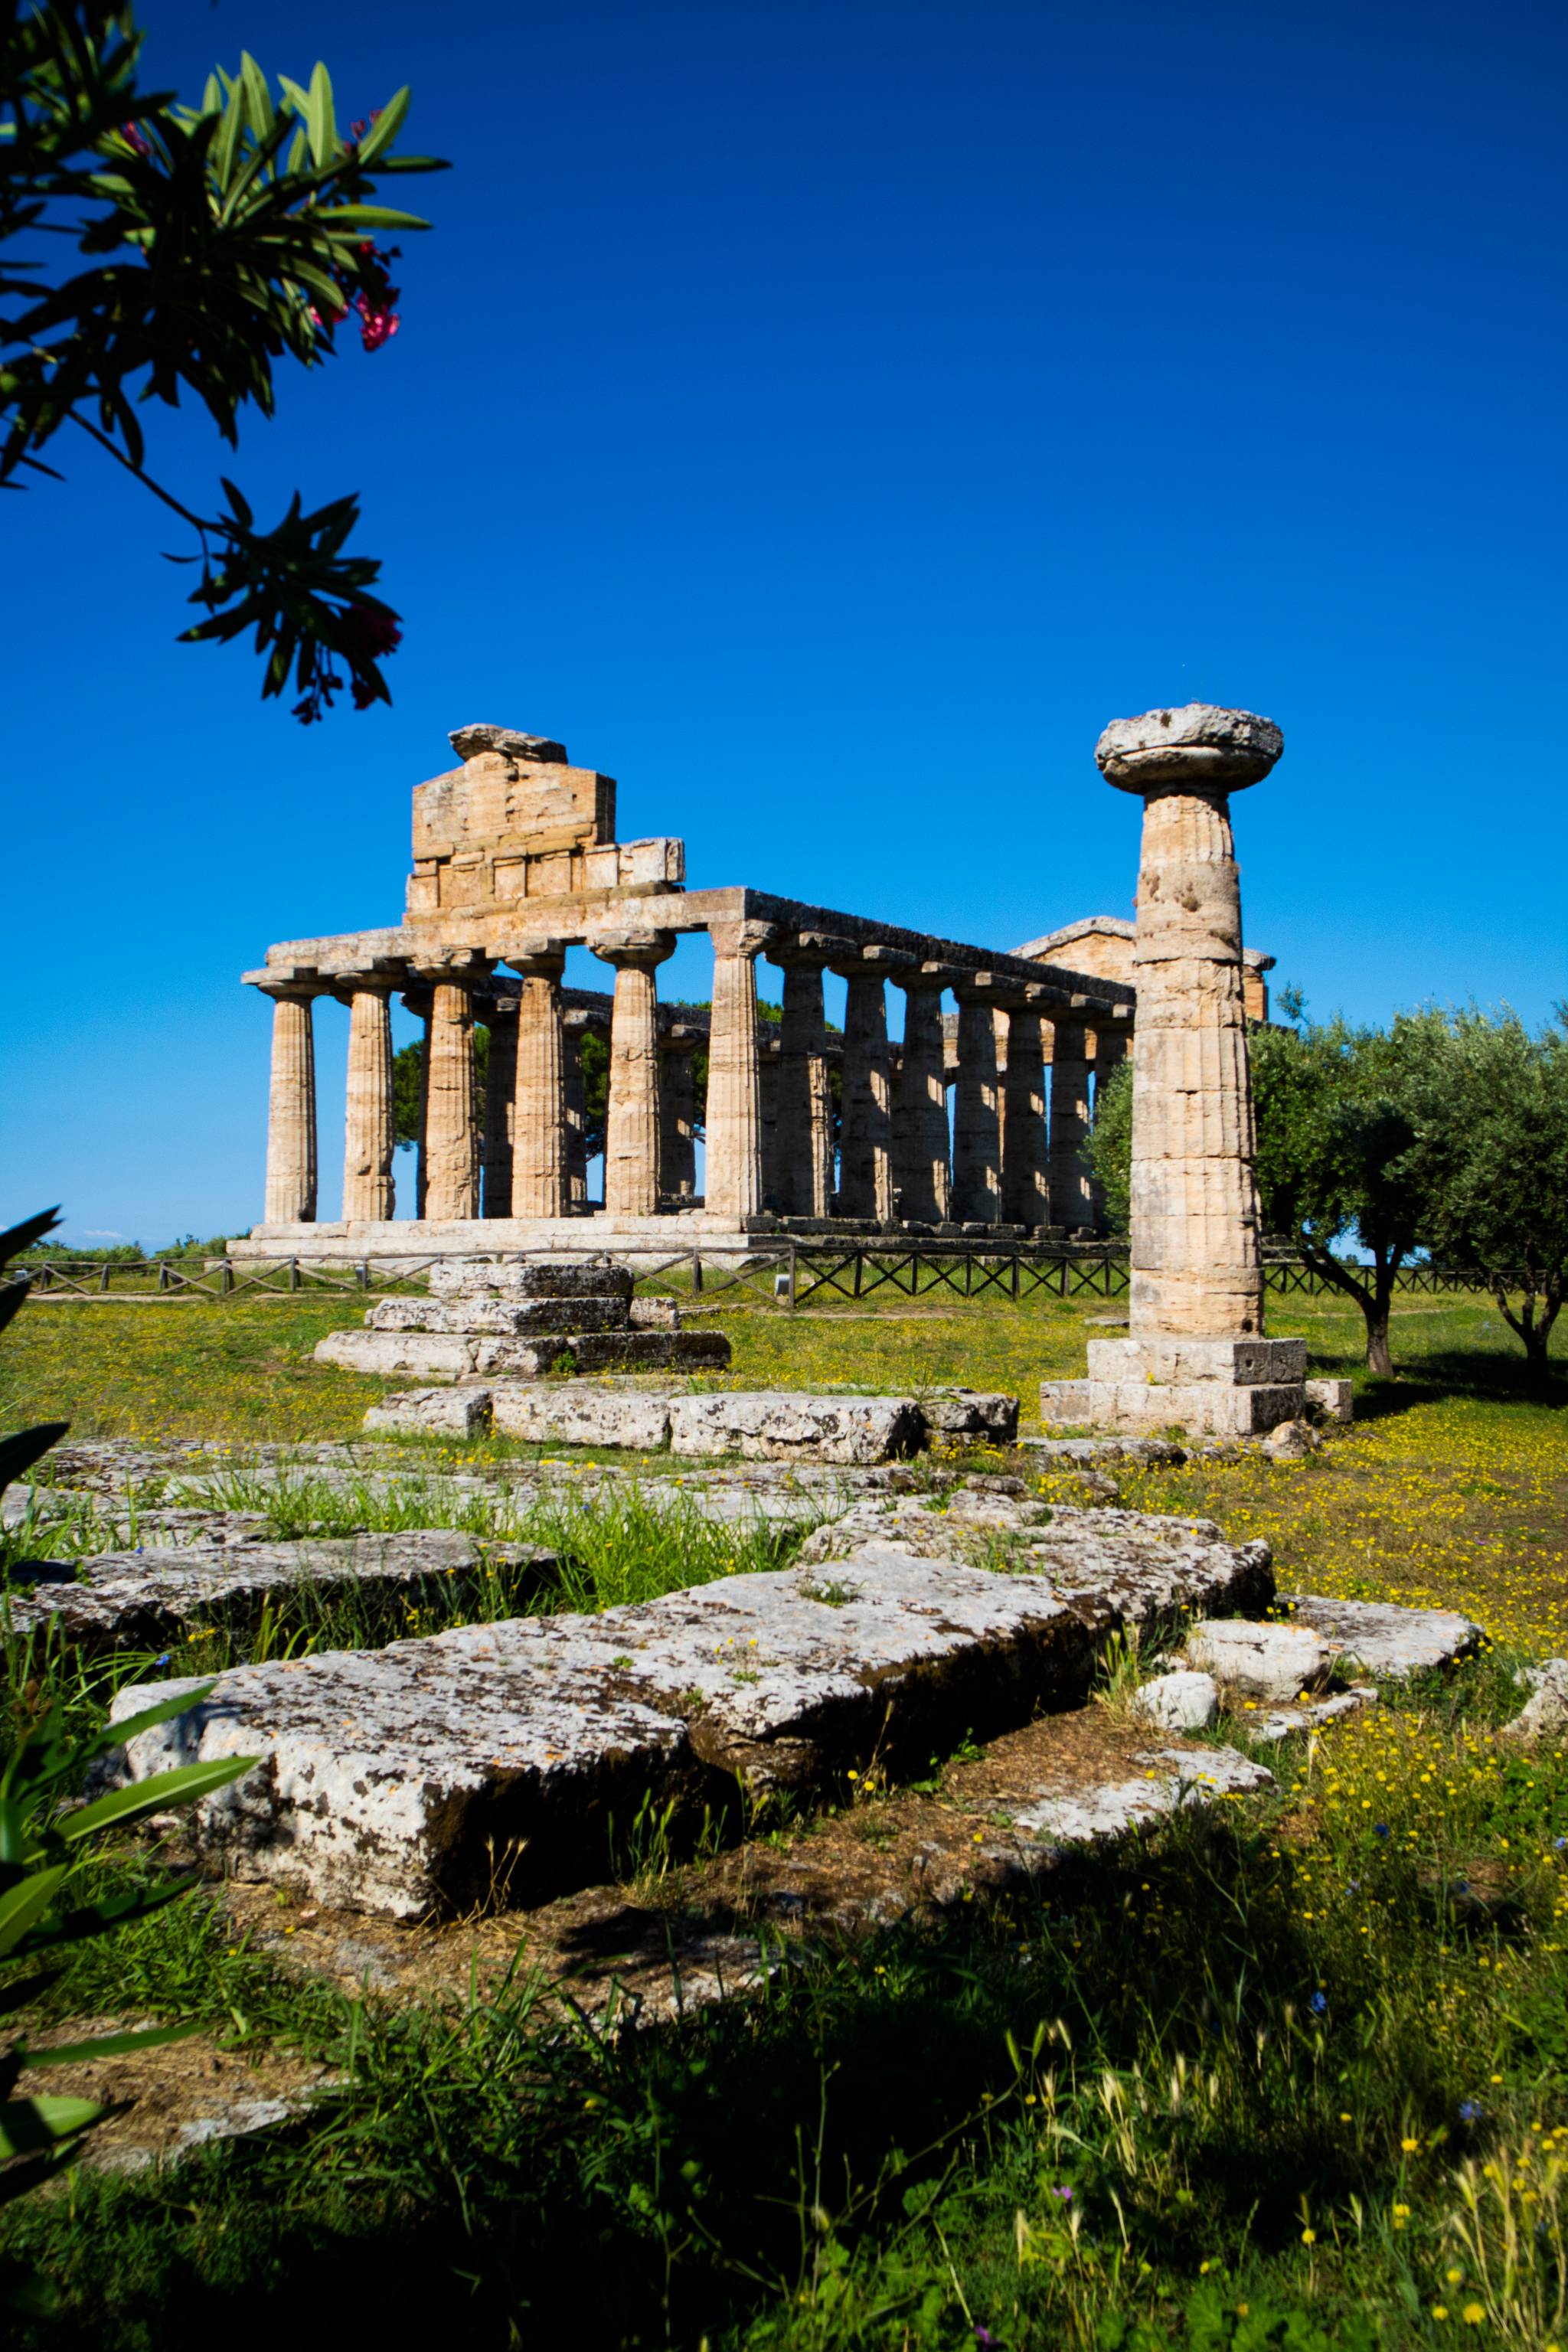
(825, 417)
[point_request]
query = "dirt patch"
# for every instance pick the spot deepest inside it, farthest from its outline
(172, 2099)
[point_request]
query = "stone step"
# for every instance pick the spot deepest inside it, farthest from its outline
(498, 1318)
(149, 1598)
(435, 1356)
(771, 1426)
(585, 1277)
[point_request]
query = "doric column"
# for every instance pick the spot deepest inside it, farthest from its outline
(451, 1106)
(977, 1106)
(574, 1028)
(540, 1182)
(804, 1145)
(1072, 1204)
(921, 1142)
(1026, 1186)
(292, 1107)
(865, 1109)
(501, 1085)
(1109, 1054)
(734, 1127)
(1197, 1262)
(677, 1110)
(631, 1127)
(768, 1088)
(370, 1123)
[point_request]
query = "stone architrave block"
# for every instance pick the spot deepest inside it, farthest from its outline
(561, 1413)
(783, 1427)
(1387, 1643)
(148, 1599)
(395, 1779)
(1271, 1663)
(584, 1277)
(442, 1412)
(970, 1412)
(1183, 1701)
(1334, 1399)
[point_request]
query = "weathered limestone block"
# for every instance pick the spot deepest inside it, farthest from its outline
(1207, 1408)
(433, 1412)
(582, 1278)
(1179, 1701)
(1173, 1778)
(1291, 1441)
(425, 1355)
(650, 1352)
(655, 1315)
(1332, 1400)
(783, 1425)
(523, 1359)
(1271, 1663)
(1544, 1715)
(496, 1317)
(564, 1414)
(397, 1779)
(970, 1412)
(145, 1600)
(1384, 1641)
(1177, 1358)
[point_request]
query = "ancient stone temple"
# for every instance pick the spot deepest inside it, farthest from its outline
(516, 860)
(1197, 1355)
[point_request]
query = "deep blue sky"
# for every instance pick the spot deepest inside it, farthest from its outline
(825, 417)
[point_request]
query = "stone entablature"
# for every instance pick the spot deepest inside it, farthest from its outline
(514, 862)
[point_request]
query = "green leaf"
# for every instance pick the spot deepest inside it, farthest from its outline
(22, 1906)
(321, 120)
(131, 1726)
(29, 2125)
(257, 93)
(369, 217)
(386, 127)
(106, 2045)
(182, 1786)
(17, 1238)
(225, 147)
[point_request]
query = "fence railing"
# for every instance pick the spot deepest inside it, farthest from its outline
(786, 1272)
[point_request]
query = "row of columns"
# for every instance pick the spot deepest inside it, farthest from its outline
(1017, 1146)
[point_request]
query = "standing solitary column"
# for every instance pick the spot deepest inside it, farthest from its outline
(1072, 1203)
(804, 1099)
(1026, 1186)
(919, 1128)
(290, 1197)
(370, 1124)
(451, 1108)
(976, 1112)
(678, 1111)
(733, 1130)
(1197, 1262)
(865, 1121)
(540, 1176)
(501, 1085)
(631, 1126)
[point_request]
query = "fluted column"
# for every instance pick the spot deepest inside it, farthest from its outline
(541, 1181)
(370, 1124)
(501, 1085)
(576, 1112)
(631, 1128)
(1072, 1203)
(290, 1197)
(920, 1141)
(865, 1109)
(805, 1148)
(768, 1086)
(977, 1108)
(733, 1129)
(678, 1111)
(451, 1108)
(1026, 1165)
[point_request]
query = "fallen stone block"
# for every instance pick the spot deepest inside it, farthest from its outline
(1182, 1701)
(1152, 1453)
(1385, 1641)
(146, 1600)
(1265, 1663)
(1292, 1440)
(970, 1412)
(655, 1315)
(780, 1426)
(561, 1413)
(497, 1759)
(496, 1318)
(1332, 1400)
(444, 1412)
(1544, 1715)
(1275, 1724)
(1173, 1778)
(424, 1355)
(565, 1278)
(651, 1352)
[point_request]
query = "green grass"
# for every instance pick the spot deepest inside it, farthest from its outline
(1270, 2051)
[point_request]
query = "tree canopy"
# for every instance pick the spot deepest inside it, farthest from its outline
(219, 240)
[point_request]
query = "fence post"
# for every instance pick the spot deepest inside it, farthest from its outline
(293, 1273)
(226, 1278)
(859, 1262)
(364, 1273)
(695, 1271)
(791, 1274)
(162, 1276)
(1014, 1273)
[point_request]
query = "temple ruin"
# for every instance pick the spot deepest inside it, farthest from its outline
(515, 860)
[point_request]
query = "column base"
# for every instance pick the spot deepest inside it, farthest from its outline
(1209, 1387)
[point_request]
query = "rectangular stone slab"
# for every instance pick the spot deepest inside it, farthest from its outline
(585, 1277)
(563, 1413)
(442, 1772)
(1389, 1642)
(145, 1600)
(493, 1316)
(778, 1425)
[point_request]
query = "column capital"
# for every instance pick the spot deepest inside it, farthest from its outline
(745, 936)
(1197, 748)
(643, 951)
(302, 983)
(807, 950)
(545, 959)
(921, 976)
(456, 968)
(976, 987)
(381, 978)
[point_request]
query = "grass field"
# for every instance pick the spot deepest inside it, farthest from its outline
(1293, 2074)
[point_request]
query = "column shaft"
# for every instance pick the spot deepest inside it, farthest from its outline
(500, 1082)
(1072, 1205)
(976, 1117)
(805, 1099)
(733, 1129)
(452, 1108)
(291, 1116)
(370, 1135)
(678, 1122)
(866, 1121)
(1025, 1187)
(577, 1121)
(540, 1176)
(921, 1142)
(631, 1129)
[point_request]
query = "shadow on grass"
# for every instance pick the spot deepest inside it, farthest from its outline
(1484, 1375)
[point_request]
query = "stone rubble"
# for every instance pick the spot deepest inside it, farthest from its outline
(1544, 1715)
(1182, 1700)
(1173, 1777)
(1384, 1641)
(1267, 1664)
